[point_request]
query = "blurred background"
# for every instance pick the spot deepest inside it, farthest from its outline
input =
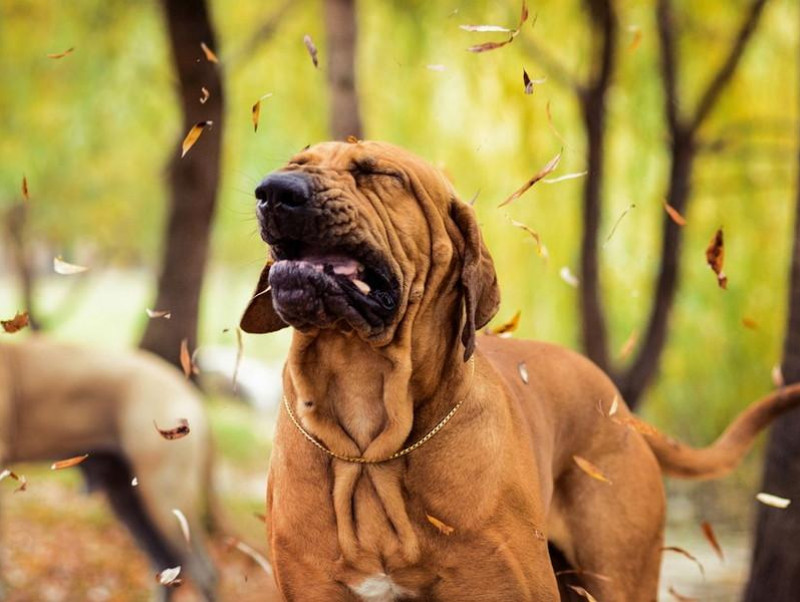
(690, 104)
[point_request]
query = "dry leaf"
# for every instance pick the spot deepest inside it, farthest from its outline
(629, 345)
(507, 327)
(552, 126)
(540, 248)
(68, 463)
(239, 354)
(674, 214)
(158, 313)
(253, 554)
(184, 524)
(443, 528)
(67, 269)
(486, 28)
(187, 361)
(23, 482)
(708, 532)
(494, 28)
(528, 82)
(568, 277)
(169, 577)
(261, 517)
(582, 592)
(178, 432)
(679, 597)
(210, 56)
(773, 500)
(715, 256)
(61, 55)
(637, 425)
(547, 169)
(256, 110)
(616, 223)
(636, 39)
(614, 406)
(25, 194)
(352, 140)
(687, 555)
(193, 135)
(15, 324)
(523, 372)
(569, 176)
(777, 376)
(312, 49)
(205, 95)
(591, 469)
(749, 323)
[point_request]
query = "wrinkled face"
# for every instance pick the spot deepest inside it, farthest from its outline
(339, 220)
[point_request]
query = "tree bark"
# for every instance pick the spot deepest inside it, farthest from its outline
(775, 569)
(341, 30)
(193, 182)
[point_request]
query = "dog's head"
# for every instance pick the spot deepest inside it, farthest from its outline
(355, 230)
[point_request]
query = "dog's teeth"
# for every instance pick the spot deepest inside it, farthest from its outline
(362, 286)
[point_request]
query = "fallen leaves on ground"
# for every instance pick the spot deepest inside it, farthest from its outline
(177, 432)
(715, 256)
(496, 28)
(549, 167)
(256, 110)
(507, 327)
(442, 527)
(68, 463)
(61, 55)
(708, 533)
(210, 56)
(67, 269)
(691, 557)
(312, 49)
(15, 324)
(590, 469)
(773, 500)
(194, 135)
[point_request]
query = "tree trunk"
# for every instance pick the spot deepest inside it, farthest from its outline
(193, 182)
(16, 221)
(340, 26)
(775, 570)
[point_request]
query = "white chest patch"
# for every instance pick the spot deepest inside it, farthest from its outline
(381, 588)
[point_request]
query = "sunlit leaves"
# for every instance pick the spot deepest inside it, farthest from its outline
(541, 249)
(193, 135)
(255, 555)
(507, 328)
(23, 482)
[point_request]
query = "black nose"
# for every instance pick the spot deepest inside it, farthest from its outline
(287, 189)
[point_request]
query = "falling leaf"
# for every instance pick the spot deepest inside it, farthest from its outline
(637, 425)
(135, 482)
(261, 517)
(239, 354)
(582, 592)
(523, 372)
(23, 482)
(674, 214)
(257, 110)
(540, 248)
(68, 463)
(312, 49)
(614, 406)
(489, 45)
(169, 577)
(569, 176)
(552, 125)
(629, 345)
(25, 194)
(255, 555)
(486, 28)
(749, 323)
(547, 169)
(205, 96)
(61, 55)
(159, 313)
(679, 597)
(715, 256)
(436, 67)
(528, 83)
(773, 500)
(590, 469)
(507, 327)
(178, 432)
(67, 269)
(636, 38)
(210, 56)
(184, 524)
(777, 376)
(443, 528)
(687, 555)
(568, 277)
(494, 28)
(616, 223)
(15, 324)
(193, 135)
(187, 361)
(708, 532)
(352, 140)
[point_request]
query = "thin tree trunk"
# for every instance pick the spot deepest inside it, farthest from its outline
(17, 228)
(775, 570)
(193, 181)
(340, 26)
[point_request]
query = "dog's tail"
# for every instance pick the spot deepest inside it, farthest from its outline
(722, 456)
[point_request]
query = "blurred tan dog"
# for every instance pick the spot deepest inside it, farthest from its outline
(58, 401)
(409, 464)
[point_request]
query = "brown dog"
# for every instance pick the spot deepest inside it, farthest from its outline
(408, 464)
(58, 401)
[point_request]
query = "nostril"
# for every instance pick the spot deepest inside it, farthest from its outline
(291, 199)
(288, 190)
(261, 194)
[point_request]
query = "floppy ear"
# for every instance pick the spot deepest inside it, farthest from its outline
(478, 278)
(260, 316)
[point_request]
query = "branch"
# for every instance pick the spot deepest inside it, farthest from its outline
(726, 71)
(668, 69)
(260, 36)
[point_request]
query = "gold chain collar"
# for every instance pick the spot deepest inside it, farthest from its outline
(399, 454)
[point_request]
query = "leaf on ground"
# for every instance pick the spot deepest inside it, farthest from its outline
(254, 554)
(61, 55)
(256, 110)
(691, 557)
(67, 269)
(582, 592)
(749, 323)
(507, 327)
(540, 247)
(443, 528)
(15, 324)
(68, 463)
(210, 56)
(25, 193)
(568, 277)
(169, 577)
(715, 257)
(183, 523)
(708, 533)
(549, 167)
(194, 135)
(523, 372)
(773, 500)
(312, 49)
(178, 432)
(680, 597)
(674, 215)
(205, 95)
(590, 469)
(629, 345)
(158, 313)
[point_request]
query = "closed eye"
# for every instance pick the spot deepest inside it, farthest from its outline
(371, 168)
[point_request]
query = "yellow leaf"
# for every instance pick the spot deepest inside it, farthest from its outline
(582, 592)
(674, 215)
(210, 56)
(68, 463)
(193, 135)
(549, 167)
(60, 55)
(507, 327)
(256, 111)
(442, 527)
(590, 469)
